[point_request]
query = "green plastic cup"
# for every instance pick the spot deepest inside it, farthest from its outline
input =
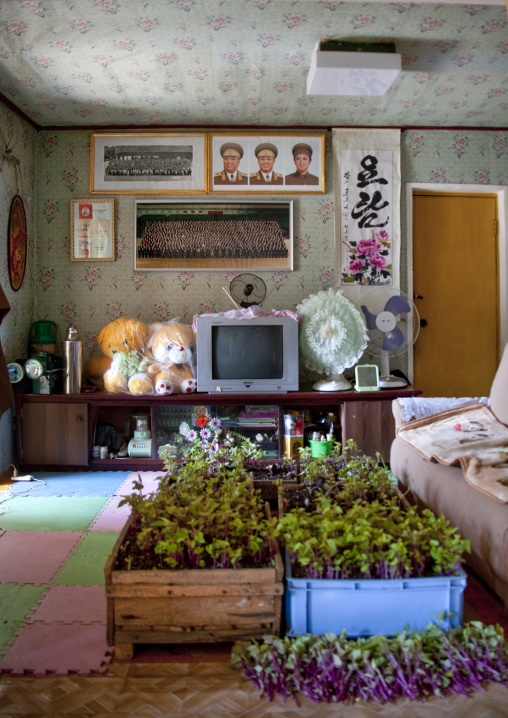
(320, 448)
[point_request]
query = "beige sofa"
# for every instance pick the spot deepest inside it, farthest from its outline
(443, 489)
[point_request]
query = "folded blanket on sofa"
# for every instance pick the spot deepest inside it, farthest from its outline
(470, 436)
(417, 407)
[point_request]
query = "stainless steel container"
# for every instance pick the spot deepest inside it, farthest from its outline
(72, 354)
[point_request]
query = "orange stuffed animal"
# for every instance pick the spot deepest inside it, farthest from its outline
(173, 348)
(124, 340)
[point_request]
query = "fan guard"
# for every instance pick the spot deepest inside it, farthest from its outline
(247, 290)
(393, 325)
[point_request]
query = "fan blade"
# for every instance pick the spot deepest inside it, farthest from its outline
(397, 305)
(370, 319)
(393, 340)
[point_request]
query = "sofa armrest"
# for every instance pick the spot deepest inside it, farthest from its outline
(416, 407)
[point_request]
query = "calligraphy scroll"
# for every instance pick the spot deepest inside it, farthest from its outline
(367, 206)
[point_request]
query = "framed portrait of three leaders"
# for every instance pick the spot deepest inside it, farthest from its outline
(252, 162)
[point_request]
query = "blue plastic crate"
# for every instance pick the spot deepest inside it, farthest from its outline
(365, 607)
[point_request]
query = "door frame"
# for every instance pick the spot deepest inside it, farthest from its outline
(502, 209)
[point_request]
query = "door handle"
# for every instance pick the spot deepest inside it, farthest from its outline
(423, 323)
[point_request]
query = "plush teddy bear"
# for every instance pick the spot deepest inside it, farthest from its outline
(124, 341)
(173, 348)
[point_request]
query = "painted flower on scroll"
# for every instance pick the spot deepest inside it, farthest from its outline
(368, 260)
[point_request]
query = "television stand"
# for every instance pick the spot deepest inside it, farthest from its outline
(56, 431)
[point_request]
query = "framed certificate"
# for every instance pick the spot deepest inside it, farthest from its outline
(92, 230)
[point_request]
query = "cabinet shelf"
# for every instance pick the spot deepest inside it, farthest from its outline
(56, 431)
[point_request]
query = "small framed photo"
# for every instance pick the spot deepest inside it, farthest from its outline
(92, 230)
(249, 162)
(148, 163)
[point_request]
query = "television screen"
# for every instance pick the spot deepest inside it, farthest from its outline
(253, 352)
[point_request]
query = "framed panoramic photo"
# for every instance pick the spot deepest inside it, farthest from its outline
(216, 235)
(92, 230)
(251, 162)
(148, 163)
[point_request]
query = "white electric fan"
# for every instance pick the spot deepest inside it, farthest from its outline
(333, 337)
(393, 325)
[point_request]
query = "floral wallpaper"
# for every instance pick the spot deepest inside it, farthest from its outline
(454, 71)
(225, 62)
(17, 177)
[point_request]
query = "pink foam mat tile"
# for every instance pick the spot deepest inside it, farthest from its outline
(33, 556)
(112, 517)
(71, 604)
(58, 648)
(149, 479)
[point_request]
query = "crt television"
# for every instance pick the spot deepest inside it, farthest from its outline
(257, 354)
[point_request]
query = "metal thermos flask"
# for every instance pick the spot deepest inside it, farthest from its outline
(72, 351)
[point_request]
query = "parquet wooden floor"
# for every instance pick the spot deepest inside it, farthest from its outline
(212, 690)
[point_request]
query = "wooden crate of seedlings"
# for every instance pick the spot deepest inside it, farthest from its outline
(195, 605)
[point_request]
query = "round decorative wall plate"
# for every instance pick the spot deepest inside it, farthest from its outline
(17, 243)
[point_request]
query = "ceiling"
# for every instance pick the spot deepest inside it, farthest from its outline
(241, 63)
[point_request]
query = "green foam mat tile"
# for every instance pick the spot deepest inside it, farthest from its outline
(56, 513)
(85, 567)
(16, 602)
(8, 630)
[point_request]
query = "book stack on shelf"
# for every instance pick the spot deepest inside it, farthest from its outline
(264, 423)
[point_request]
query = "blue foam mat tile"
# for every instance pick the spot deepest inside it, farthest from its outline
(85, 483)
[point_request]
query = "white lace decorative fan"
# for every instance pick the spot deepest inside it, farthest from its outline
(333, 337)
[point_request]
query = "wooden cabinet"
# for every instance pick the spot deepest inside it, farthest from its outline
(56, 431)
(371, 425)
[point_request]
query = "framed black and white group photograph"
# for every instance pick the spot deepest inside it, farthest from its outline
(148, 163)
(249, 162)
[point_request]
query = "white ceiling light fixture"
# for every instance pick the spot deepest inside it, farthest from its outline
(347, 68)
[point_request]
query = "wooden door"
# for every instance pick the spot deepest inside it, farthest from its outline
(55, 434)
(456, 292)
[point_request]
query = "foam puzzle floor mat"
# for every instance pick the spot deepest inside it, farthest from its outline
(55, 538)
